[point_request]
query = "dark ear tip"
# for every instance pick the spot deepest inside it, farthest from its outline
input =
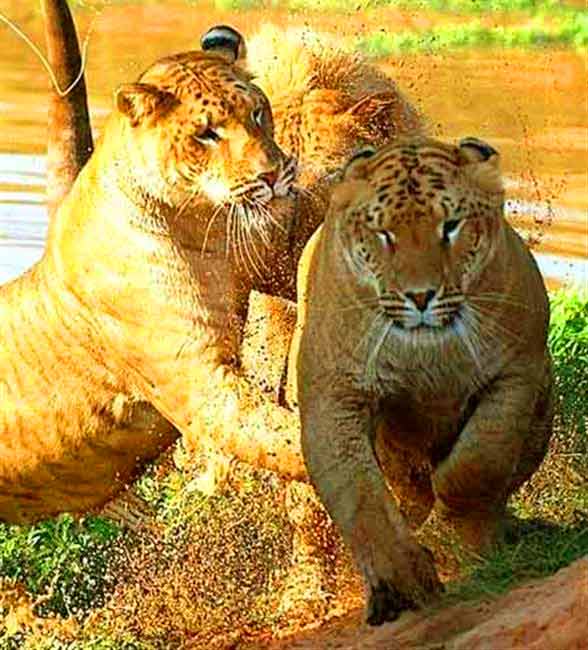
(365, 152)
(223, 37)
(483, 148)
(350, 168)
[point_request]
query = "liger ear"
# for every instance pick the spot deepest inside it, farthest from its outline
(372, 105)
(474, 150)
(483, 163)
(356, 166)
(226, 41)
(353, 183)
(141, 102)
(384, 112)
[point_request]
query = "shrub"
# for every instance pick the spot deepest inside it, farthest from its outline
(62, 559)
(568, 342)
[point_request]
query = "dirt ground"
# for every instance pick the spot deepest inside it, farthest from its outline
(544, 615)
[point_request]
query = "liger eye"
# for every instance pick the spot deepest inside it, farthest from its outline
(386, 237)
(450, 227)
(208, 136)
(257, 116)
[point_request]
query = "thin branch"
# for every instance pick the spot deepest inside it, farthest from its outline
(62, 93)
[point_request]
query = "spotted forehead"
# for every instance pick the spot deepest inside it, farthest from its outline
(407, 180)
(206, 81)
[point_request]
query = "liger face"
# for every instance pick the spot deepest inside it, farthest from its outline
(418, 224)
(206, 130)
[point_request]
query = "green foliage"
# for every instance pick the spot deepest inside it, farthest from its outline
(333, 5)
(570, 26)
(97, 643)
(575, 31)
(234, 5)
(479, 6)
(453, 6)
(184, 498)
(540, 551)
(62, 559)
(572, 31)
(568, 342)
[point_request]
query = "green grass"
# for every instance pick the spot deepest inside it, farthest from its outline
(460, 7)
(241, 530)
(569, 32)
(552, 508)
(481, 6)
(210, 560)
(551, 22)
(62, 560)
(541, 551)
(568, 342)
(235, 5)
(97, 643)
(452, 6)
(567, 26)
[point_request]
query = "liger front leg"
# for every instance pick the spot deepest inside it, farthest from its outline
(337, 442)
(473, 483)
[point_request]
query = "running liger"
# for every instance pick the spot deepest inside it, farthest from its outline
(423, 372)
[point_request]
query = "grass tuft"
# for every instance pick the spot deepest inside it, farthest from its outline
(541, 550)
(61, 560)
(570, 32)
(568, 342)
(551, 531)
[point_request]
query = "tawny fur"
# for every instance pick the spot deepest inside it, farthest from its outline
(140, 309)
(453, 411)
(128, 331)
(327, 103)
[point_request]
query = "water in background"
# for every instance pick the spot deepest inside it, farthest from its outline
(512, 99)
(23, 222)
(23, 216)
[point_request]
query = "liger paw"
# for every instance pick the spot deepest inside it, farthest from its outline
(386, 604)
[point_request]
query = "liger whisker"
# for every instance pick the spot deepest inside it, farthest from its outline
(215, 213)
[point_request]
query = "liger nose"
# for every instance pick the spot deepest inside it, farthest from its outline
(421, 298)
(270, 177)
